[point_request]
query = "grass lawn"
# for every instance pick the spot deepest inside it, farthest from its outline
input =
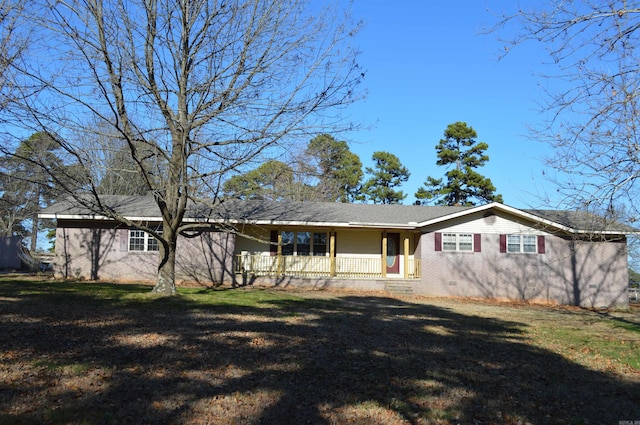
(92, 353)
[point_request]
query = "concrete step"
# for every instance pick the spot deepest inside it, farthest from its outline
(399, 288)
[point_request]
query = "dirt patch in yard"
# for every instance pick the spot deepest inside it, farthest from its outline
(319, 358)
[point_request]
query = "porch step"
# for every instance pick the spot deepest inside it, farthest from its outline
(398, 288)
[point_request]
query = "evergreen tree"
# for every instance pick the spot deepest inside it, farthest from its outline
(271, 181)
(387, 174)
(25, 188)
(338, 170)
(464, 186)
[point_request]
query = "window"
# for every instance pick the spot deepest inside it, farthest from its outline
(528, 244)
(140, 240)
(136, 240)
(300, 243)
(287, 243)
(320, 244)
(457, 242)
(303, 243)
(521, 243)
(513, 243)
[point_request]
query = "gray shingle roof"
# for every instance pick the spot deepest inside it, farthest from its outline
(321, 212)
(327, 212)
(582, 220)
(144, 207)
(138, 206)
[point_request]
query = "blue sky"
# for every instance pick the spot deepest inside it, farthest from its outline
(427, 66)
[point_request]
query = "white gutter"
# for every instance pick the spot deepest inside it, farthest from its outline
(234, 221)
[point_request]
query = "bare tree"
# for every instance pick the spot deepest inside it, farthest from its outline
(13, 42)
(590, 110)
(207, 85)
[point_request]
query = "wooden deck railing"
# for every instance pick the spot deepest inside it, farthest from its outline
(311, 266)
(414, 268)
(358, 267)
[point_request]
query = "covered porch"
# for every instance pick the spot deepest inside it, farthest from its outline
(393, 259)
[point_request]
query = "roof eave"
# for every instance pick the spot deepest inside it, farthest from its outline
(355, 224)
(259, 222)
(525, 215)
(56, 216)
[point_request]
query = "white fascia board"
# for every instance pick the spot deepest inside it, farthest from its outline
(518, 213)
(381, 225)
(320, 224)
(557, 225)
(458, 214)
(54, 216)
(503, 208)
(285, 223)
(193, 220)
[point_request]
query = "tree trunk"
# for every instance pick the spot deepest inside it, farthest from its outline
(166, 283)
(34, 234)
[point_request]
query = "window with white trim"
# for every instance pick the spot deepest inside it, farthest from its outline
(522, 243)
(457, 242)
(141, 241)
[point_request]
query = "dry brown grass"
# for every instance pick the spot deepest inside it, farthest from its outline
(103, 355)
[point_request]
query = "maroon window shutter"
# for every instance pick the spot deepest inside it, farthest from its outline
(438, 239)
(124, 239)
(503, 243)
(541, 247)
(273, 248)
(477, 242)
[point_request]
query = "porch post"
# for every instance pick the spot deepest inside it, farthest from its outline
(406, 256)
(332, 253)
(279, 262)
(383, 262)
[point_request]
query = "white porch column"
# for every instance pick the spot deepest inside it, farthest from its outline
(383, 263)
(280, 262)
(406, 256)
(332, 253)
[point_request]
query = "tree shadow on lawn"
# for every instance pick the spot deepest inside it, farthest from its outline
(348, 359)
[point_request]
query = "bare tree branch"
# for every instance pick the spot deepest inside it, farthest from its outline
(590, 111)
(204, 86)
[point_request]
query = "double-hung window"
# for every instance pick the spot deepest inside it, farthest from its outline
(140, 240)
(527, 244)
(457, 242)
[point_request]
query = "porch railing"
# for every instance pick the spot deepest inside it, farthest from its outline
(414, 268)
(358, 267)
(315, 266)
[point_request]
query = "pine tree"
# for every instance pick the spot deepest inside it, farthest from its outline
(338, 170)
(270, 181)
(387, 174)
(464, 186)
